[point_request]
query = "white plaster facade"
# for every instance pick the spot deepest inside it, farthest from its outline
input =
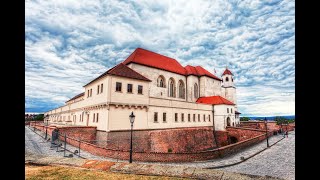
(114, 107)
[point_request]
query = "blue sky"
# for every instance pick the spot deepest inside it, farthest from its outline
(69, 43)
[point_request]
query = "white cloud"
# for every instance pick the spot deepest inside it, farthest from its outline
(68, 43)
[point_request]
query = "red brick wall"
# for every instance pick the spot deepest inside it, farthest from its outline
(86, 133)
(222, 138)
(178, 140)
(159, 156)
(243, 133)
(167, 157)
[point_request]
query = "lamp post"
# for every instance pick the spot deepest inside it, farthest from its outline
(266, 124)
(131, 118)
(46, 118)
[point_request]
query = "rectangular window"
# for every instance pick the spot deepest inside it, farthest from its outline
(98, 89)
(231, 110)
(164, 117)
(101, 90)
(227, 110)
(97, 117)
(204, 118)
(129, 88)
(189, 119)
(118, 86)
(90, 92)
(140, 89)
(182, 117)
(194, 117)
(155, 117)
(80, 118)
(176, 117)
(198, 117)
(94, 115)
(209, 118)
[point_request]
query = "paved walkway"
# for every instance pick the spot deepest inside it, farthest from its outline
(36, 144)
(229, 159)
(143, 169)
(277, 161)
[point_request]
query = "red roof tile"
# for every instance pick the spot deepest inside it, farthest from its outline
(75, 97)
(123, 71)
(214, 100)
(152, 59)
(203, 72)
(227, 71)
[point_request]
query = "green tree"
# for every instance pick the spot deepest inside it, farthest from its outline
(244, 119)
(281, 120)
(39, 117)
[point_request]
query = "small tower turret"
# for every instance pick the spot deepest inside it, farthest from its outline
(227, 78)
(228, 87)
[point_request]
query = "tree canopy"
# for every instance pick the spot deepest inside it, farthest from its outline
(244, 119)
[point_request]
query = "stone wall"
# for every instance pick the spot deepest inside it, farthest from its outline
(86, 133)
(174, 140)
(179, 138)
(167, 157)
(243, 134)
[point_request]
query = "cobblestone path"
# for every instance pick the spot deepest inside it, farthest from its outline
(36, 144)
(277, 161)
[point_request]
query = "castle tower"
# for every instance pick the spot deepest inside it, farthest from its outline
(228, 86)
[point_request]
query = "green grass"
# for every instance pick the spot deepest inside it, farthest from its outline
(70, 173)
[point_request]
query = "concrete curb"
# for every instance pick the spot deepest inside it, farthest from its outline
(140, 169)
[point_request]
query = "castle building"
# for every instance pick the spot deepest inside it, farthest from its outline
(160, 92)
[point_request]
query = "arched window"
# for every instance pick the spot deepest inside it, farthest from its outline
(161, 81)
(181, 89)
(196, 91)
(172, 88)
(232, 79)
(227, 79)
(228, 121)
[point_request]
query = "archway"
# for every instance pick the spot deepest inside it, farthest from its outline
(233, 140)
(228, 121)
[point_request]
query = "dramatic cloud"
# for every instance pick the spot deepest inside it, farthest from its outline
(69, 43)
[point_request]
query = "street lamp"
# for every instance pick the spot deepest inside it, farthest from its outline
(266, 124)
(131, 118)
(46, 118)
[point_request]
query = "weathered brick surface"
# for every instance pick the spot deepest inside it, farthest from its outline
(178, 140)
(86, 133)
(174, 156)
(243, 133)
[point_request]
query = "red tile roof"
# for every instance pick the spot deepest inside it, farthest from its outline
(123, 71)
(227, 71)
(152, 59)
(214, 100)
(75, 97)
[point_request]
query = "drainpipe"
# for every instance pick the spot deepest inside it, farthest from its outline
(186, 89)
(214, 129)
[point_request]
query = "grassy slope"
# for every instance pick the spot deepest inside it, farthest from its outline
(66, 173)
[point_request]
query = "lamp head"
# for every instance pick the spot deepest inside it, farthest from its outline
(131, 117)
